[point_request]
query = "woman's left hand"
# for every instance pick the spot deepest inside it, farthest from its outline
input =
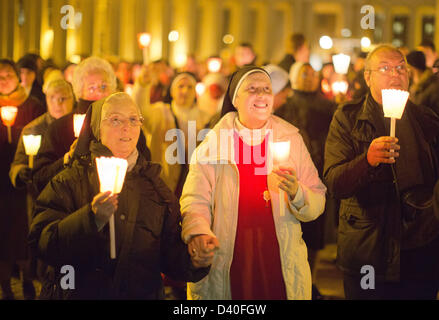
(287, 180)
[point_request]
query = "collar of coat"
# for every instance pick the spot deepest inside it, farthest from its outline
(369, 123)
(218, 145)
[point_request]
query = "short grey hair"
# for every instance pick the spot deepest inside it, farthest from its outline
(58, 84)
(92, 65)
(381, 47)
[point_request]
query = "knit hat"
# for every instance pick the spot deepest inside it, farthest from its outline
(417, 60)
(279, 77)
(235, 82)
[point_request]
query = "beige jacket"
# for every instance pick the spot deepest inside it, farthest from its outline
(159, 126)
(209, 205)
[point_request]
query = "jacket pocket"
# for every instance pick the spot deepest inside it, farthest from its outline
(151, 217)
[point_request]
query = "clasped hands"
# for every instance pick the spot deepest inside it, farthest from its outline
(202, 250)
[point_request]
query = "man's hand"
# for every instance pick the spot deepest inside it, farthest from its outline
(383, 150)
(25, 175)
(202, 250)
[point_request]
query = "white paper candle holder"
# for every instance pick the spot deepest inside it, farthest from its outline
(341, 63)
(78, 121)
(280, 153)
(32, 144)
(111, 172)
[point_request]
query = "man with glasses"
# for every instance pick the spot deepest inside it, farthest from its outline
(386, 249)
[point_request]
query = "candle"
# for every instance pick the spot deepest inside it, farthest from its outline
(281, 153)
(339, 87)
(341, 63)
(214, 64)
(144, 40)
(394, 102)
(111, 172)
(8, 115)
(31, 146)
(78, 121)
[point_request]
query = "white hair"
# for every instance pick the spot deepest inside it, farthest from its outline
(92, 65)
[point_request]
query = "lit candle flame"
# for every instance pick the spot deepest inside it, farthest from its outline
(214, 64)
(341, 63)
(31, 144)
(394, 102)
(8, 115)
(111, 172)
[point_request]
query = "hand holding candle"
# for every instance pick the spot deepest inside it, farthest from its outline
(111, 172)
(31, 146)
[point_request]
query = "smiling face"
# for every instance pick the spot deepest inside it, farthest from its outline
(8, 79)
(183, 92)
(254, 100)
(119, 130)
(382, 72)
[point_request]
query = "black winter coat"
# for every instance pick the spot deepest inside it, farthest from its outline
(148, 235)
(371, 226)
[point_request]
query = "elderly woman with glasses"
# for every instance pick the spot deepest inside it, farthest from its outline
(70, 226)
(93, 79)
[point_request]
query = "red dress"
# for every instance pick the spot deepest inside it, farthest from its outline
(255, 273)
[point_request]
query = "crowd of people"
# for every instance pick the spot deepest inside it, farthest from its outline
(219, 216)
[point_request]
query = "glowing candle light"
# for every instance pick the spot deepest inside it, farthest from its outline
(200, 88)
(339, 87)
(214, 64)
(111, 172)
(144, 40)
(8, 115)
(281, 153)
(394, 102)
(341, 63)
(31, 146)
(78, 121)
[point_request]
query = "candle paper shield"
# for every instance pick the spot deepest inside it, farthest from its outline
(78, 121)
(31, 144)
(8, 115)
(111, 172)
(341, 63)
(394, 102)
(281, 151)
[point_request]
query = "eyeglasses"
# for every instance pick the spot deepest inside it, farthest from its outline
(92, 89)
(257, 90)
(387, 70)
(117, 121)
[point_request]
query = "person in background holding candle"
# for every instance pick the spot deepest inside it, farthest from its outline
(376, 226)
(13, 222)
(70, 225)
(309, 111)
(93, 79)
(230, 202)
(59, 101)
